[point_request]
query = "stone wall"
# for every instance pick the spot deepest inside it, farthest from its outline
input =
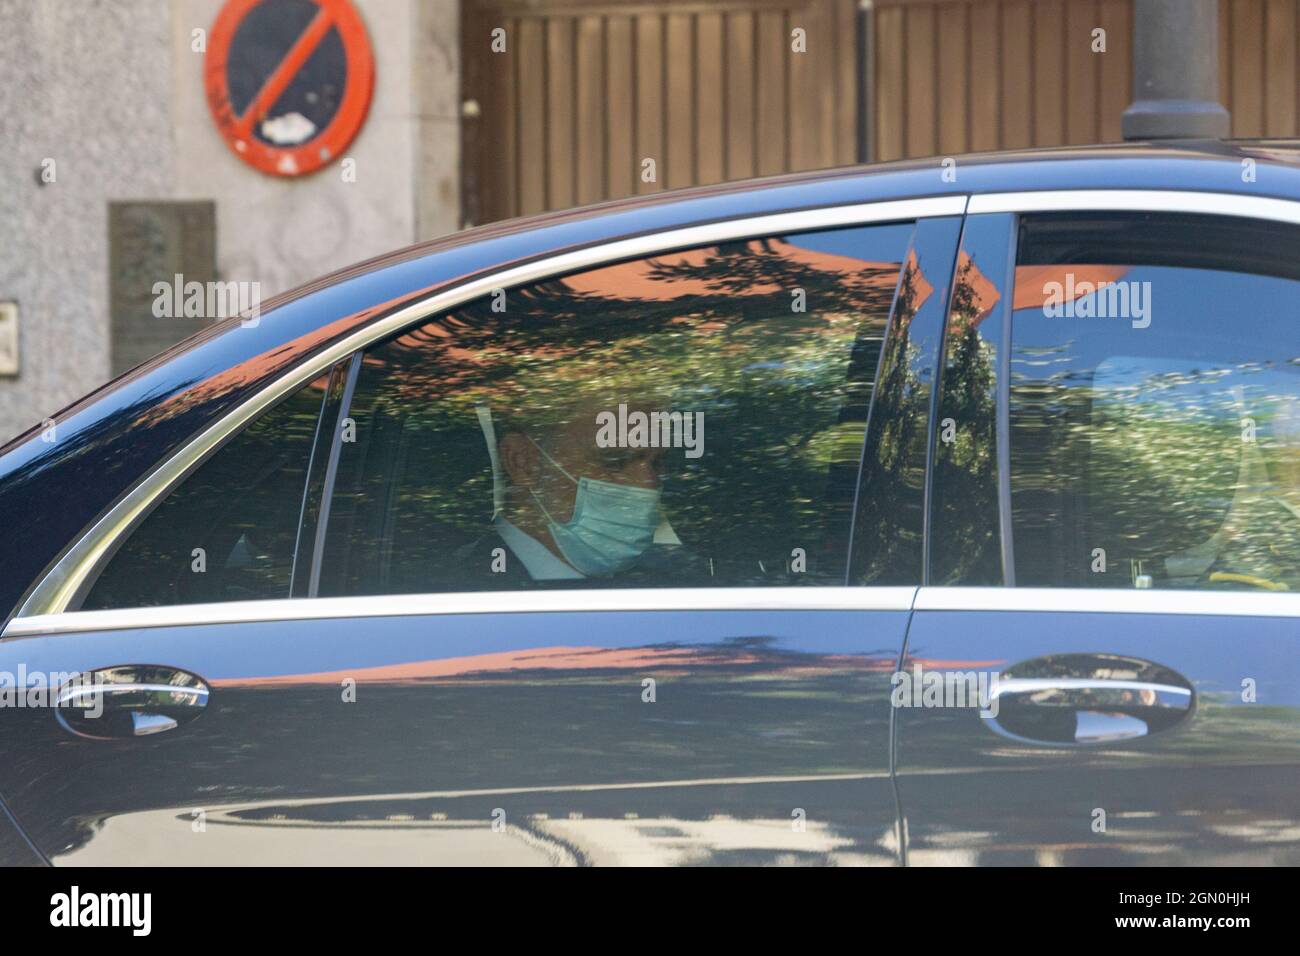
(112, 93)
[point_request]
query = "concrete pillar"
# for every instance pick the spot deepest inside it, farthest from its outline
(1175, 71)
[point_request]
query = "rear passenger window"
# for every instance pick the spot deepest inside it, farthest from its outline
(1155, 402)
(691, 419)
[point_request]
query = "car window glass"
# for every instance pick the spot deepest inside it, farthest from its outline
(1155, 403)
(228, 531)
(695, 418)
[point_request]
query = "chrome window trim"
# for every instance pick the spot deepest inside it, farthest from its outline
(606, 600)
(1138, 200)
(65, 582)
(1109, 601)
(632, 600)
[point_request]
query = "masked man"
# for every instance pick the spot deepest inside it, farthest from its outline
(568, 509)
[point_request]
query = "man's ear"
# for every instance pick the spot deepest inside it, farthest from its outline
(518, 458)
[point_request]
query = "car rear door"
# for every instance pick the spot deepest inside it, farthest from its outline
(1103, 665)
(412, 697)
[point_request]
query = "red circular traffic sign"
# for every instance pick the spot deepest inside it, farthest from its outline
(288, 81)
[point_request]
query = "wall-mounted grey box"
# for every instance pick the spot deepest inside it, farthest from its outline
(149, 243)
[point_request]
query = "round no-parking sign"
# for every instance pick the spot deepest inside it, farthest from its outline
(288, 81)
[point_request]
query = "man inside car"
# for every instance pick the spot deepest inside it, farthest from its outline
(568, 509)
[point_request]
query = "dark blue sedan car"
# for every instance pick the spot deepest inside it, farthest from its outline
(915, 514)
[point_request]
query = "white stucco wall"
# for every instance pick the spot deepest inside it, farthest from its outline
(114, 94)
(87, 85)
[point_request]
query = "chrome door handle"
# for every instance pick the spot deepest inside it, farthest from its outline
(130, 701)
(1114, 699)
(1078, 691)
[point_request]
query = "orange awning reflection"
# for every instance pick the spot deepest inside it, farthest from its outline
(1031, 282)
(637, 279)
(572, 658)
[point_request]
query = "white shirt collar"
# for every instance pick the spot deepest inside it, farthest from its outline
(537, 559)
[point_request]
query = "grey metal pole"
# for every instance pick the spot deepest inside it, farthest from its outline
(866, 80)
(1175, 71)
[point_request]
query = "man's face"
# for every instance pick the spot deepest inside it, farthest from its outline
(573, 446)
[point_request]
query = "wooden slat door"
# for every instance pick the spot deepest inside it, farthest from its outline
(586, 91)
(1258, 79)
(953, 76)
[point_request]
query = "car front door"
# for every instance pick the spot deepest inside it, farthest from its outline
(425, 671)
(1103, 665)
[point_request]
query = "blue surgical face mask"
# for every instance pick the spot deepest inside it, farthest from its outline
(612, 524)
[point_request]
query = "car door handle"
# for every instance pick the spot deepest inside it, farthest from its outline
(130, 701)
(1114, 699)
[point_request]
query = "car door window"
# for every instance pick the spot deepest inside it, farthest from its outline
(694, 418)
(228, 531)
(1155, 402)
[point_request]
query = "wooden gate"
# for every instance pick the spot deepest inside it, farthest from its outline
(586, 91)
(951, 76)
(973, 75)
